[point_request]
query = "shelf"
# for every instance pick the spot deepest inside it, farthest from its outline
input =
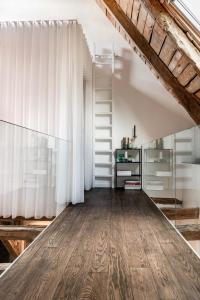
(138, 149)
(135, 175)
(102, 117)
(133, 189)
(103, 164)
(154, 175)
(128, 162)
(191, 164)
(169, 150)
(158, 162)
(183, 140)
(183, 152)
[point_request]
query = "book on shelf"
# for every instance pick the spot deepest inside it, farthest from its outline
(132, 185)
(132, 182)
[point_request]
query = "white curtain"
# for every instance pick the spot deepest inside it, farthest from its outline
(88, 118)
(41, 82)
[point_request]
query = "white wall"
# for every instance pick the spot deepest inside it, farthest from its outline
(142, 100)
(139, 97)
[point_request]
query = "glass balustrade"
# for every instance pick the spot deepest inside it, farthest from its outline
(34, 167)
(171, 178)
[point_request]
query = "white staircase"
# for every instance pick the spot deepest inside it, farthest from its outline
(103, 162)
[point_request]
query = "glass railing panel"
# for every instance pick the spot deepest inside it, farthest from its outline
(158, 172)
(171, 178)
(33, 173)
(187, 176)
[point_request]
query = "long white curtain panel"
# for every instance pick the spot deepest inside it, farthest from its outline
(41, 82)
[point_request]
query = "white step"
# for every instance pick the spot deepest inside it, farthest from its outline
(103, 151)
(103, 139)
(103, 113)
(103, 176)
(101, 63)
(103, 89)
(103, 126)
(103, 101)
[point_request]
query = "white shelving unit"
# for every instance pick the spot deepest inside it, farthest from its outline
(103, 160)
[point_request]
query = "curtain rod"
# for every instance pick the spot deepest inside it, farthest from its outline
(32, 21)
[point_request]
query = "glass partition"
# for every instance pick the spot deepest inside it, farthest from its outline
(171, 178)
(33, 173)
(187, 176)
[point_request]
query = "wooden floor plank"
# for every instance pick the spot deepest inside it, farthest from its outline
(81, 260)
(95, 286)
(117, 245)
(143, 284)
(100, 261)
(183, 270)
(119, 281)
(134, 243)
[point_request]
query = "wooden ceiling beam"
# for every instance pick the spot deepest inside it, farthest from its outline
(162, 45)
(19, 219)
(8, 232)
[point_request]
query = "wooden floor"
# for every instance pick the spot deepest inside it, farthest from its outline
(115, 246)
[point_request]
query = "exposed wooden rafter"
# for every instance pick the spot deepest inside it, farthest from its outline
(16, 234)
(14, 248)
(159, 41)
(186, 25)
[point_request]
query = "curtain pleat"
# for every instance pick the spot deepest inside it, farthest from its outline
(41, 81)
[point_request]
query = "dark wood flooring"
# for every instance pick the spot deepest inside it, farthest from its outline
(115, 246)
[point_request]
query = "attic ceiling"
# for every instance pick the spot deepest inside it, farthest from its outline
(162, 44)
